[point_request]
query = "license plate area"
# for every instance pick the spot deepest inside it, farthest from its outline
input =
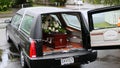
(68, 60)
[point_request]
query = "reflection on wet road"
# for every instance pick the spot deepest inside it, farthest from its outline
(106, 59)
(7, 58)
(110, 58)
(4, 59)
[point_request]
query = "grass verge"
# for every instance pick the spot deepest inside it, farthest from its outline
(5, 12)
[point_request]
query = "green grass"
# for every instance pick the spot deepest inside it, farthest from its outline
(6, 12)
(2, 12)
(103, 25)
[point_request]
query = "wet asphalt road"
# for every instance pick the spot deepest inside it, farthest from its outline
(106, 58)
(8, 60)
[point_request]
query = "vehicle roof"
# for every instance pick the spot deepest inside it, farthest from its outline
(43, 10)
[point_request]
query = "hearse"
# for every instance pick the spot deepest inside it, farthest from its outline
(50, 36)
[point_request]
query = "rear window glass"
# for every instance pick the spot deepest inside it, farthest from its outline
(72, 20)
(53, 21)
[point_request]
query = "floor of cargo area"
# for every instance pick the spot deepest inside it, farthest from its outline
(69, 46)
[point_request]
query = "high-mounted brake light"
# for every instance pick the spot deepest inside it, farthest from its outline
(32, 49)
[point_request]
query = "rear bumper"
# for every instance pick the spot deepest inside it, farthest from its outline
(56, 60)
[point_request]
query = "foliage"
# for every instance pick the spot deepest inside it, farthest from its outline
(5, 4)
(53, 27)
(53, 1)
(1, 55)
(105, 2)
(95, 1)
(59, 2)
(28, 3)
(111, 2)
(20, 1)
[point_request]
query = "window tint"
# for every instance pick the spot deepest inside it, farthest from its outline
(16, 20)
(27, 23)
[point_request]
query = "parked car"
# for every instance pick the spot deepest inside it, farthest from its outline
(50, 36)
(78, 2)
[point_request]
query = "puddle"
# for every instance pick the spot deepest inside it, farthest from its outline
(110, 59)
(4, 58)
(9, 55)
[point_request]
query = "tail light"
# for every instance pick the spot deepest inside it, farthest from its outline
(32, 49)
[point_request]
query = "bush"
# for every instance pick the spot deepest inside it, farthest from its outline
(105, 2)
(20, 1)
(62, 2)
(59, 2)
(26, 3)
(5, 4)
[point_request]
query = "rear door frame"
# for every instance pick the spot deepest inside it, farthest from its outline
(91, 25)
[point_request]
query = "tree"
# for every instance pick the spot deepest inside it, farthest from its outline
(25, 2)
(5, 4)
(62, 2)
(59, 2)
(105, 2)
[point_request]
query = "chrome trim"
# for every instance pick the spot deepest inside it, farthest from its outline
(58, 56)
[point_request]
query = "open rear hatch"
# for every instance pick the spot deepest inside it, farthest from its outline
(104, 25)
(62, 32)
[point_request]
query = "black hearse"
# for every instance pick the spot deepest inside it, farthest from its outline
(49, 36)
